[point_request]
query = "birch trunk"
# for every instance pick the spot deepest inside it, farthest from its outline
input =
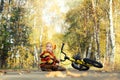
(112, 36)
(89, 49)
(96, 32)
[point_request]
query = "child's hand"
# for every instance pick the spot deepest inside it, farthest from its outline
(57, 61)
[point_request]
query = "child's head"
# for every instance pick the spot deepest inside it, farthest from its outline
(49, 46)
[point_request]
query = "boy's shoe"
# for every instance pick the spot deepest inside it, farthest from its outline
(43, 69)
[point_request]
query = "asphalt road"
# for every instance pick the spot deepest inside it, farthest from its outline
(39, 75)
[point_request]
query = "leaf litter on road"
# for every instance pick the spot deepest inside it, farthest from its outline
(68, 73)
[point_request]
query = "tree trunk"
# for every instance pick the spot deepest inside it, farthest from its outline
(96, 32)
(1, 5)
(112, 36)
(89, 49)
(110, 42)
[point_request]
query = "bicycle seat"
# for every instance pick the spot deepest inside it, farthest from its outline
(77, 56)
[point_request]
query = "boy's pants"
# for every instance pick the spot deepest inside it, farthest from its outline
(52, 68)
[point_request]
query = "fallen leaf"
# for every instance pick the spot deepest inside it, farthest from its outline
(55, 74)
(72, 74)
(84, 74)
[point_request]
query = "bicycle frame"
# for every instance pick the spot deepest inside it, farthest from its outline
(72, 59)
(76, 61)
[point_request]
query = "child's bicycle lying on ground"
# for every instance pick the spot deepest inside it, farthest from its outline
(81, 64)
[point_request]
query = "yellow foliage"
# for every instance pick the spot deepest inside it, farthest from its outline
(20, 56)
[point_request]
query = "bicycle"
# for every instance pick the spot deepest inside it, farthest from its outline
(80, 64)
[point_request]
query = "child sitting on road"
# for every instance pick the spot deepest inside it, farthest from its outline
(49, 62)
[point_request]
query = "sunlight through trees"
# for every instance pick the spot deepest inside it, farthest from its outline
(88, 27)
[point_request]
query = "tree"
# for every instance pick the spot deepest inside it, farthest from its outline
(110, 39)
(1, 5)
(81, 28)
(14, 31)
(112, 35)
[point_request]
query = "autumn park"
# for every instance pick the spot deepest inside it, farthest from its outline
(84, 36)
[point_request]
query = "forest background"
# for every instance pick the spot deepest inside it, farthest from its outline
(88, 27)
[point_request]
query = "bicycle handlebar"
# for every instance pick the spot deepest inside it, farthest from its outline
(66, 57)
(62, 47)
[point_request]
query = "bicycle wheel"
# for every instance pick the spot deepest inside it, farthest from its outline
(93, 62)
(79, 67)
